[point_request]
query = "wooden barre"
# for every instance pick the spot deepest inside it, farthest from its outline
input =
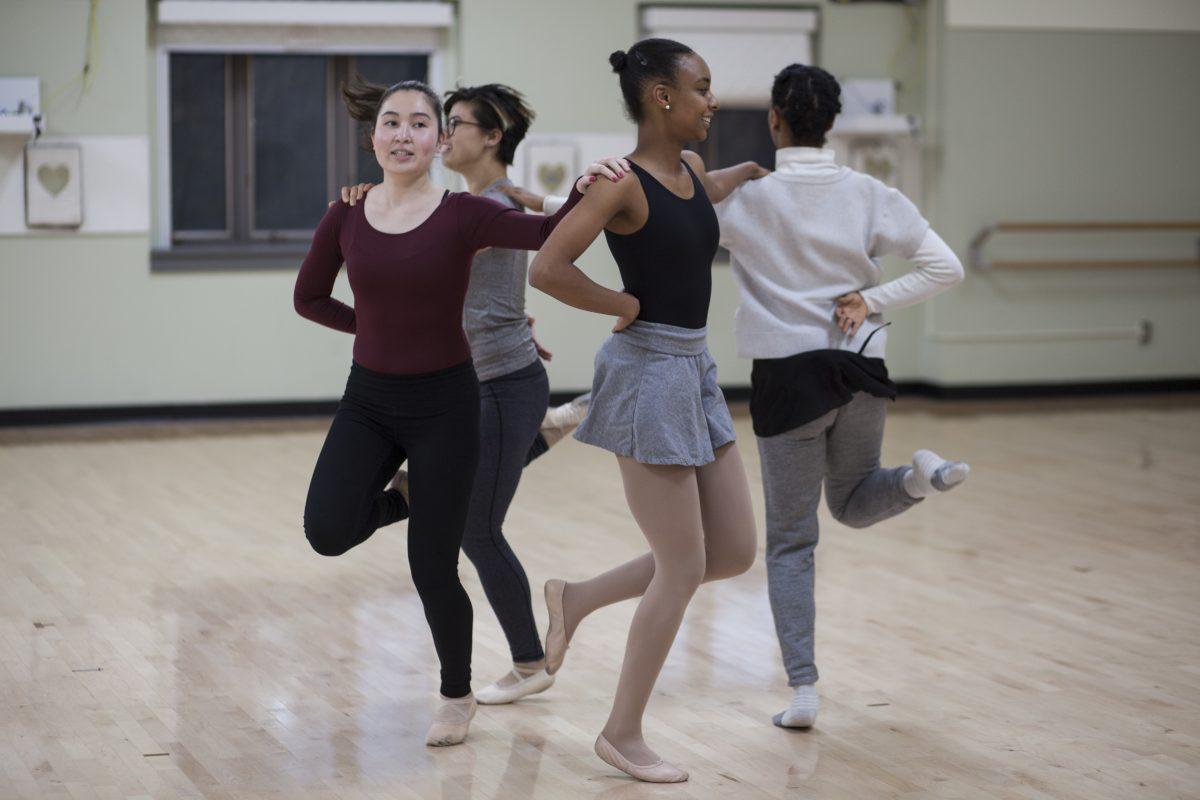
(976, 259)
(1102, 263)
(1044, 227)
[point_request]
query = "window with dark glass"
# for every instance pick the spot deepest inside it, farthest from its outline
(199, 175)
(261, 142)
(736, 135)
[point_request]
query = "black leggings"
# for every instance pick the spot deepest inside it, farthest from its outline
(432, 421)
(511, 410)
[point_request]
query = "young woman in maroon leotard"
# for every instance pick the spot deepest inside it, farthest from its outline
(412, 393)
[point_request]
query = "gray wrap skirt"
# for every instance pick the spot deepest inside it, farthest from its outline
(655, 397)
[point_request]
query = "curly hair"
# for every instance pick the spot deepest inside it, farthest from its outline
(808, 99)
(497, 108)
(648, 61)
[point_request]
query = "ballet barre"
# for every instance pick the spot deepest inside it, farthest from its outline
(977, 259)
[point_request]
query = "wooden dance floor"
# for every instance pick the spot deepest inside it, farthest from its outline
(166, 632)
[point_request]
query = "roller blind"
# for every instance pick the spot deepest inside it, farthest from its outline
(744, 48)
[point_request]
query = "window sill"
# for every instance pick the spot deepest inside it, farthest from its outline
(228, 257)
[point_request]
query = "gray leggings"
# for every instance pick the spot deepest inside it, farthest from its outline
(511, 409)
(842, 449)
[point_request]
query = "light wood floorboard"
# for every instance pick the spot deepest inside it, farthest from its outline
(166, 632)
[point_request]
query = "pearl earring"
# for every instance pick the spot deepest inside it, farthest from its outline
(668, 106)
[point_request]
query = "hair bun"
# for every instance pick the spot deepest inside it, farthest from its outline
(618, 59)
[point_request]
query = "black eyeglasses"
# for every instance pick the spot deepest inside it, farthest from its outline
(453, 123)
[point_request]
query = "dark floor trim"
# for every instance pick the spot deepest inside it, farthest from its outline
(22, 417)
(736, 394)
(1031, 391)
(165, 413)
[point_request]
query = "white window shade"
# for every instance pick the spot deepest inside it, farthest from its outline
(305, 13)
(744, 48)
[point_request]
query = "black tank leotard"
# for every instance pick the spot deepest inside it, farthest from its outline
(667, 263)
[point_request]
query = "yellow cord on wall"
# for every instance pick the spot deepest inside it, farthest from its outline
(91, 54)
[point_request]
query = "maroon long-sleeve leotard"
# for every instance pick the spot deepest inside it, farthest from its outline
(409, 288)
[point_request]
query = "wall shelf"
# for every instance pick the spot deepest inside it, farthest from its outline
(875, 125)
(17, 125)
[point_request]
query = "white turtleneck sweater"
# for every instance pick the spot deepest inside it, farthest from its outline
(812, 231)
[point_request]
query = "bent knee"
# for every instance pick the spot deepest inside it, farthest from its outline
(842, 517)
(476, 546)
(689, 572)
(432, 580)
(325, 539)
(731, 564)
(742, 560)
(685, 573)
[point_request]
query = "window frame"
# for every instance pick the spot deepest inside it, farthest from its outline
(185, 236)
(216, 250)
(335, 165)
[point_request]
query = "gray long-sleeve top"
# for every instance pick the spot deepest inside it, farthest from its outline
(494, 315)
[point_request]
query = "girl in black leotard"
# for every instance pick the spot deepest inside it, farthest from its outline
(655, 401)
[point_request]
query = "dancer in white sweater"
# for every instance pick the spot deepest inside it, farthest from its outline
(805, 243)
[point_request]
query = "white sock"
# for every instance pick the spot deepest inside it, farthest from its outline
(931, 473)
(802, 713)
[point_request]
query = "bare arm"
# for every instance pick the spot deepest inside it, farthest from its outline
(719, 183)
(613, 167)
(521, 195)
(553, 270)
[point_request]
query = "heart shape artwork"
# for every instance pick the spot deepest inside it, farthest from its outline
(551, 176)
(54, 178)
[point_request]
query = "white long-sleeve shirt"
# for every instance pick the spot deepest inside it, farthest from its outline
(938, 268)
(812, 231)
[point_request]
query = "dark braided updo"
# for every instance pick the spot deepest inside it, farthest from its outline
(808, 99)
(647, 62)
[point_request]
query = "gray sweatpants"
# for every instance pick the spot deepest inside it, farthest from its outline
(841, 448)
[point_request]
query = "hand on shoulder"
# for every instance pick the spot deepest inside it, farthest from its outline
(757, 171)
(352, 194)
(607, 192)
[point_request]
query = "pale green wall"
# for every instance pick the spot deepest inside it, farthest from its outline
(83, 322)
(46, 38)
(1048, 126)
(1021, 125)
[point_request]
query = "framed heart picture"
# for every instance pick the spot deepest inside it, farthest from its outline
(53, 186)
(551, 167)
